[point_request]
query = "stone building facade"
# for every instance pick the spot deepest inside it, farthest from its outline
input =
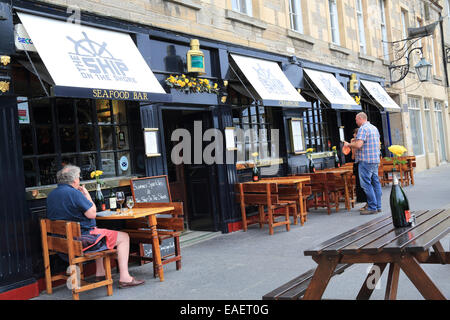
(269, 27)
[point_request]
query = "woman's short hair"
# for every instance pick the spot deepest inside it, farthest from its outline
(68, 174)
(355, 130)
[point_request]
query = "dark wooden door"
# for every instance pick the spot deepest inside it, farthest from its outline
(200, 180)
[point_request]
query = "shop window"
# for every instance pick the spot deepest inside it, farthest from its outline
(92, 134)
(316, 127)
(257, 123)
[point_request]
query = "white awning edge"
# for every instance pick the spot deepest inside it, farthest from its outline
(269, 81)
(81, 56)
(330, 87)
(381, 96)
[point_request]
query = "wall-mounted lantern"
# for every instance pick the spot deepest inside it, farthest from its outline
(353, 87)
(195, 58)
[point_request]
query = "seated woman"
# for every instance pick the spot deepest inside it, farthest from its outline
(72, 202)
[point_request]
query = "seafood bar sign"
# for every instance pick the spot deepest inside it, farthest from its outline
(100, 63)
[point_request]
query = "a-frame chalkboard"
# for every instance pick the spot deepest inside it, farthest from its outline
(151, 189)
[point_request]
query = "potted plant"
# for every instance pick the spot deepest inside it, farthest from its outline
(311, 167)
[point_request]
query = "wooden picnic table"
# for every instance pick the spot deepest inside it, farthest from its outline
(345, 174)
(150, 214)
(379, 243)
(297, 182)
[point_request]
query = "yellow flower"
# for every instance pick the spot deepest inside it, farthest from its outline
(92, 174)
(187, 80)
(215, 85)
(397, 150)
(309, 150)
(254, 154)
(206, 81)
(183, 76)
(334, 148)
(96, 173)
(208, 86)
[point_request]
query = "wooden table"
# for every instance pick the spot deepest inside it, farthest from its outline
(150, 213)
(296, 181)
(344, 174)
(379, 243)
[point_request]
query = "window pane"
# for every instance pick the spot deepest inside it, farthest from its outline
(88, 163)
(119, 109)
(47, 170)
(87, 141)
(103, 111)
(84, 111)
(65, 111)
(430, 143)
(29, 172)
(122, 137)
(106, 137)
(42, 113)
(416, 132)
(27, 140)
(67, 139)
(108, 164)
(45, 140)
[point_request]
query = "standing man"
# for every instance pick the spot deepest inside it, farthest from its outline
(367, 147)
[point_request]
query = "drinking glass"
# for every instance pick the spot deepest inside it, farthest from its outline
(120, 199)
(130, 202)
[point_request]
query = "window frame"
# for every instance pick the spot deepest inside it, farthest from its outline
(247, 8)
(361, 30)
(427, 113)
(77, 154)
(295, 16)
(383, 24)
(334, 22)
(416, 109)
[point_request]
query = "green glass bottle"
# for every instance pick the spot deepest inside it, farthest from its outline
(401, 216)
(311, 166)
(256, 174)
(99, 199)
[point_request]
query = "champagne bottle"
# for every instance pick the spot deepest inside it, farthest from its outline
(401, 216)
(255, 174)
(99, 199)
(337, 164)
(312, 168)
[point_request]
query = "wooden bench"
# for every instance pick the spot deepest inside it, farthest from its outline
(296, 288)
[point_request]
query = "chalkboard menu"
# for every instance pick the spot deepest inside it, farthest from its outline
(150, 189)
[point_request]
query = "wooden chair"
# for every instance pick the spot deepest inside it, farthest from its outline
(169, 226)
(325, 185)
(264, 195)
(61, 237)
(290, 193)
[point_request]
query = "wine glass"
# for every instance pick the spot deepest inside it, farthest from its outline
(120, 199)
(130, 202)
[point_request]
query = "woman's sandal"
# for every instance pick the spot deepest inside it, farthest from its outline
(132, 283)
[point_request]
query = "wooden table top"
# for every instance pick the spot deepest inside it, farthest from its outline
(136, 213)
(380, 236)
(283, 180)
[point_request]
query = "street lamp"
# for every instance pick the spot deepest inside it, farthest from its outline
(423, 70)
(403, 50)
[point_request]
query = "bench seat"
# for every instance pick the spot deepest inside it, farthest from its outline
(296, 288)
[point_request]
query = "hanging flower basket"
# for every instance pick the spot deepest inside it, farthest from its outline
(192, 85)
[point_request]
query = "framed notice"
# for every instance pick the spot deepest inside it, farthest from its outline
(230, 140)
(298, 145)
(151, 142)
